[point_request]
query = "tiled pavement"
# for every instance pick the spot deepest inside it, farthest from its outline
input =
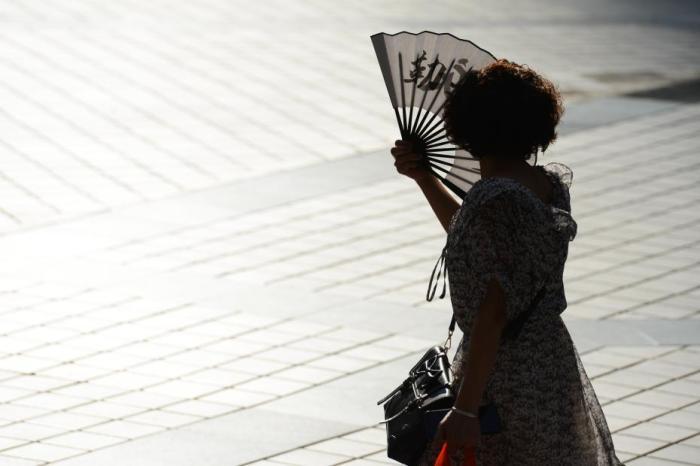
(218, 309)
(108, 104)
(181, 330)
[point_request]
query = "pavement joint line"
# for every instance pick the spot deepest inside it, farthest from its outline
(362, 276)
(95, 47)
(45, 169)
(259, 78)
(611, 206)
(613, 171)
(572, 279)
(592, 378)
(222, 82)
(636, 363)
(332, 264)
(632, 152)
(640, 219)
(349, 432)
(643, 421)
(115, 122)
(640, 281)
(167, 78)
(631, 183)
(25, 191)
(637, 131)
(239, 356)
(271, 224)
(353, 160)
(236, 408)
(274, 241)
(97, 170)
(58, 320)
(124, 77)
(633, 240)
(677, 293)
(665, 445)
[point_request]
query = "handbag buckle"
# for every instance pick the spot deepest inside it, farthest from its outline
(448, 341)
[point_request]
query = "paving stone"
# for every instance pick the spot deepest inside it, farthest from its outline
(375, 436)
(310, 457)
(237, 397)
(346, 447)
(681, 418)
(163, 418)
(83, 440)
(42, 452)
(125, 429)
(652, 461)
(636, 445)
(682, 453)
(656, 431)
(661, 399)
(207, 443)
(167, 289)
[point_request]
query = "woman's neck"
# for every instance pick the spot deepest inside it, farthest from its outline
(492, 166)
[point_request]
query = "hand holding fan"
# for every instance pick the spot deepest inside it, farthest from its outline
(419, 72)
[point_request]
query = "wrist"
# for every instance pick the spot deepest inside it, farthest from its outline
(465, 413)
(426, 180)
(468, 397)
(471, 407)
(466, 401)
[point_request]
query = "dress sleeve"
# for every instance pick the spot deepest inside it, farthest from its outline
(453, 220)
(503, 240)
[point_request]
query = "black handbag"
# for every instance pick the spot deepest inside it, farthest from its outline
(413, 410)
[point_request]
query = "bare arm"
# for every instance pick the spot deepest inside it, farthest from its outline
(484, 342)
(457, 430)
(440, 200)
(413, 166)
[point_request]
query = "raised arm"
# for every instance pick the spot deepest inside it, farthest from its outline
(412, 165)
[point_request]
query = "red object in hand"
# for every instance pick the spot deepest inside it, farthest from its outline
(444, 460)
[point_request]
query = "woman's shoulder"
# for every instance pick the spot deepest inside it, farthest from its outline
(509, 200)
(561, 171)
(486, 198)
(495, 193)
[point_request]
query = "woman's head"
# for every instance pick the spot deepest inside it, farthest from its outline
(504, 110)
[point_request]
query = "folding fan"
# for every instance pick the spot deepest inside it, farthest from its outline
(419, 71)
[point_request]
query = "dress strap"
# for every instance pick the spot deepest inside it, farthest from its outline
(441, 268)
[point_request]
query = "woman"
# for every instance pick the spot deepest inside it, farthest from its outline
(506, 242)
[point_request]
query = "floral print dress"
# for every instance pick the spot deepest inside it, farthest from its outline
(549, 411)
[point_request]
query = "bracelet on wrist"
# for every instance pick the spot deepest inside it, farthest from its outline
(464, 413)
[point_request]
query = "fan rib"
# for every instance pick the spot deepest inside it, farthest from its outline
(419, 129)
(433, 130)
(443, 156)
(455, 189)
(442, 149)
(413, 100)
(450, 173)
(442, 162)
(403, 98)
(398, 120)
(435, 137)
(425, 94)
(444, 142)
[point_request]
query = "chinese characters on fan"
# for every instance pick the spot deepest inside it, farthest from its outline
(436, 73)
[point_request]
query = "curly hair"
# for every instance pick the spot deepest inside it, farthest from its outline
(503, 110)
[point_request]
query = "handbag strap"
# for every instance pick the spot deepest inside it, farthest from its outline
(512, 330)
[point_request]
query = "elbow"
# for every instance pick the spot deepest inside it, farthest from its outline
(495, 306)
(496, 321)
